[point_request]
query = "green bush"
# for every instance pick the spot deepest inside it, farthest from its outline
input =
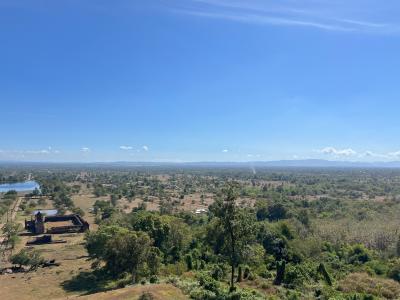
(358, 254)
(153, 279)
(189, 261)
(218, 272)
(201, 294)
(379, 268)
(266, 274)
(295, 276)
(146, 296)
(210, 284)
(394, 272)
(28, 258)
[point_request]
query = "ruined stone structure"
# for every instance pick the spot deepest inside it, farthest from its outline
(38, 223)
(56, 224)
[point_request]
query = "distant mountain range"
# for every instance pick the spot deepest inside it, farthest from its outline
(305, 163)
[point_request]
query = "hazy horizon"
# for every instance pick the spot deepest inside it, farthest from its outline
(307, 163)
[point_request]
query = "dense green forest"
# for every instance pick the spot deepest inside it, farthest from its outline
(270, 234)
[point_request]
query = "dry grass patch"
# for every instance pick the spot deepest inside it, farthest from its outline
(158, 291)
(364, 283)
(46, 283)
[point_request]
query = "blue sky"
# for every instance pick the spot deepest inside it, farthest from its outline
(205, 80)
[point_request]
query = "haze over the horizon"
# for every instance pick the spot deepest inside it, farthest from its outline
(199, 80)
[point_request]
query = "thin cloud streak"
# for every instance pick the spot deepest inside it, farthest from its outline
(324, 17)
(362, 23)
(259, 19)
(252, 7)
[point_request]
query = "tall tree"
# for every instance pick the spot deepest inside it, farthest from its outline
(121, 249)
(235, 226)
(11, 230)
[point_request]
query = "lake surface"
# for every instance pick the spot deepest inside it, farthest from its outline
(25, 186)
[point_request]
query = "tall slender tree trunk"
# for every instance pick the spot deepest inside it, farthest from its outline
(240, 275)
(133, 276)
(232, 288)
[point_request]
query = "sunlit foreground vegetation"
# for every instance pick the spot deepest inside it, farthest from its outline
(276, 234)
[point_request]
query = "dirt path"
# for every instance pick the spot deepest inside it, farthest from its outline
(16, 208)
(12, 213)
(10, 216)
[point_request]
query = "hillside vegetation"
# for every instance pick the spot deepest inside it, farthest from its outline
(273, 234)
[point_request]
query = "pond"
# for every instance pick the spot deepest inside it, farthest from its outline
(25, 186)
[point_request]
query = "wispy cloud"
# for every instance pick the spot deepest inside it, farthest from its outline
(85, 149)
(330, 16)
(225, 151)
(43, 151)
(32, 153)
(368, 154)
(125, 147)
(395, 154)
(262, 19)
(145, 148)
(49, 150)
(338, 152)
(363, 23)
(253, 155)
(371, 154)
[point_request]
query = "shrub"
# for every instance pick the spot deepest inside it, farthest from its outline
(394, 272)
(186, 286)
(246, 272)
(266, 274)
(295, 275)
(122, 281)
(172, 280)
(280, 272)
(277, 212)
(274, 244)
(189, 261)
(153, 279)
(209, 283)
(286, 230)
(322, 270)
(31, 259)
(377, 267)
(78, 211)
(358, 254)
(262, 213)
(146, 296)
(218, 272)
(173, 269)
(201, 294)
